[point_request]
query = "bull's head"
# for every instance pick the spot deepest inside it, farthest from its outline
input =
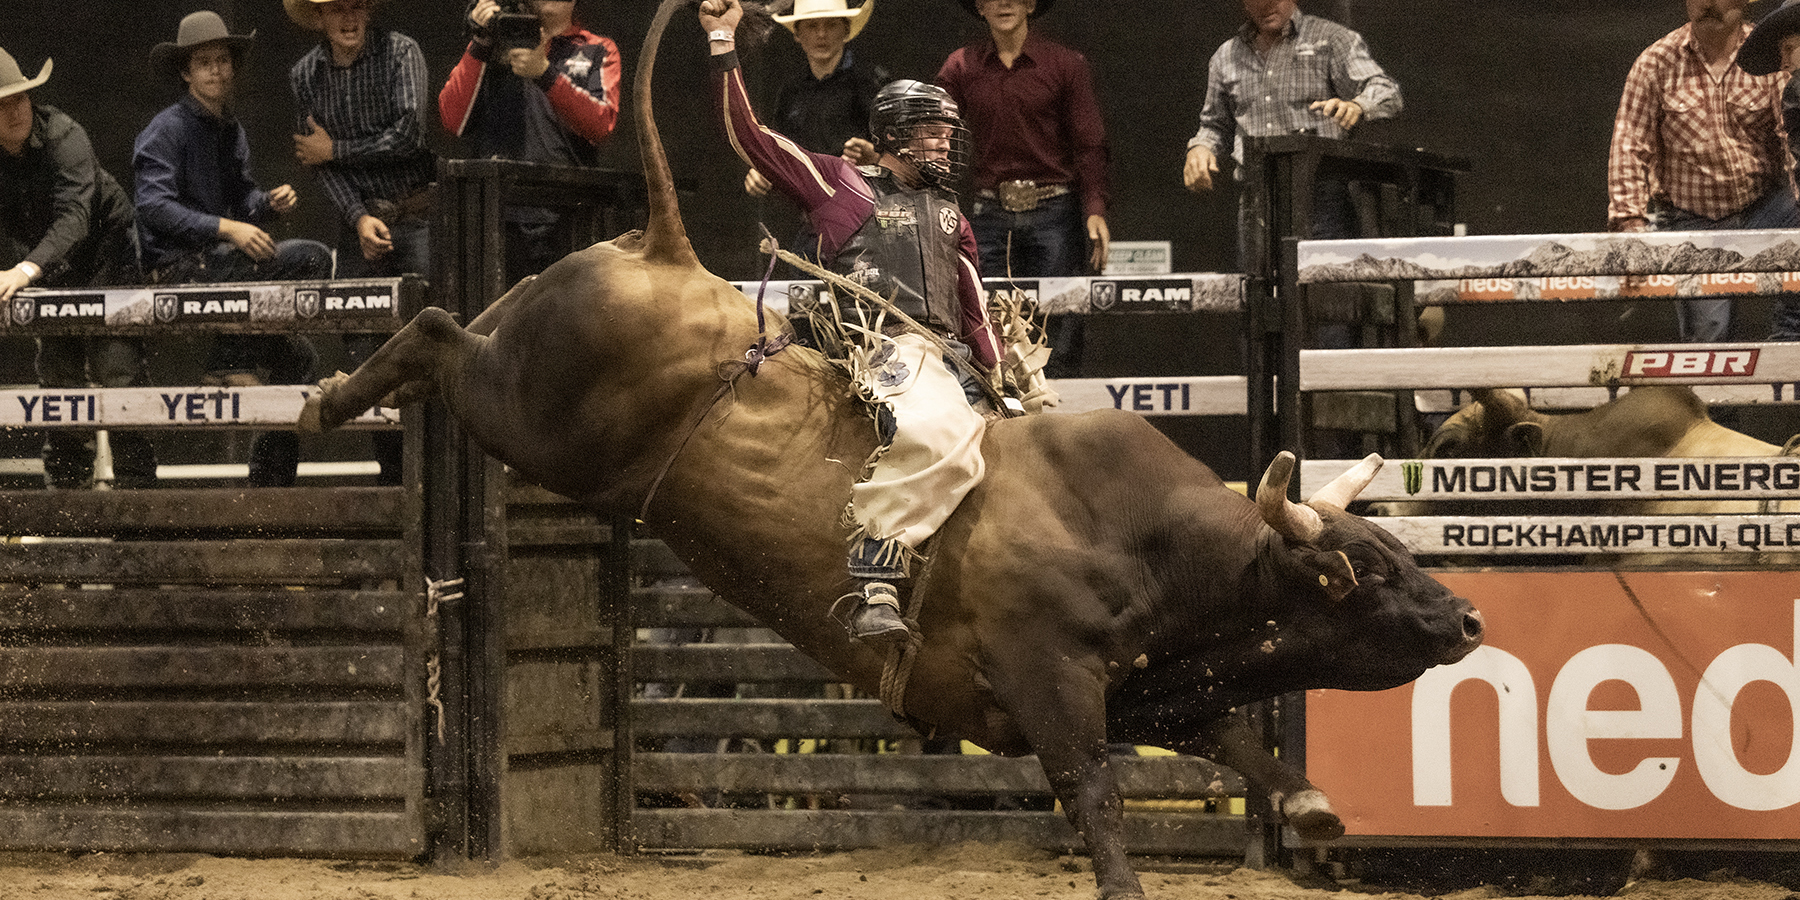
(1402, 619)
(1496, 423)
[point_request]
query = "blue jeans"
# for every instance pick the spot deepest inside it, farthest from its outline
(68, 454)
(1048, 242)
(285, 358)
(411, 255)
(1710, 320)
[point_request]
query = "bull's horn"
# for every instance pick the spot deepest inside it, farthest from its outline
(1344, 488)
(1299, 524)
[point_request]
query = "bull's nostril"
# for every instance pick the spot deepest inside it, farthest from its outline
(1473, 625)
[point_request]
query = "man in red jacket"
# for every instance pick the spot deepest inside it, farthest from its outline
(553, 103)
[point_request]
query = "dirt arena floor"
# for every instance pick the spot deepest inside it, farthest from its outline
(988, 872)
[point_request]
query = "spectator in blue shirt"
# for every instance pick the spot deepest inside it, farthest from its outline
(201, 218)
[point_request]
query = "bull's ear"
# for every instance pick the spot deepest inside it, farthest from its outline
(1526, 438)
(1331, 571)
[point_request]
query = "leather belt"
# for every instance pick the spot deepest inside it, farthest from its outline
(1022, 195)
(415, 205)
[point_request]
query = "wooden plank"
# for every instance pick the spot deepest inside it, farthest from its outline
(174, 668)
(68, 725)
(1586, 365)
(1161, 777)
(276, 611)
(186, 407)
(1514, 255)
(190, 512)
(1565, 398)
(661, 606)
(208, 829)
(766, 719)
(53, 778)
(1559, 478)
(1514, 535)
(1168, 395)
(219, 562)
(726, 663)
(1173, 834)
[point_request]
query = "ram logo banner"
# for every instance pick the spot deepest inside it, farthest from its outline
(375, 303)
(1147, 295)
(23, 310)
(1737, 362)
(1106, 295)
(168, 308)
(307, 304)
(215, 306)
(89, 309)
(1605, 705)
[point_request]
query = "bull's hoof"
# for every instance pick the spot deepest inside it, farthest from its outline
(313, 418)
(1311, 816)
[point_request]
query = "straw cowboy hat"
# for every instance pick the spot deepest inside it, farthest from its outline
(826, 9)
(1043, 6)
(1760, 54)
(305, 13)
(197, 28)
(13, 81)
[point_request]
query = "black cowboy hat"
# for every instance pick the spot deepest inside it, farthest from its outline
(1043, 6)
(197, 28)
(1760, 54)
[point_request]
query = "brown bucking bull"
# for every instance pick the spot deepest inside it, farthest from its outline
(1099, 586)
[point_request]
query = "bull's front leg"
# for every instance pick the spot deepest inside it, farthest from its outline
(1062, 714)
(1230, 741)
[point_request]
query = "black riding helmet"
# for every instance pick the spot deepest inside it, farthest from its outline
(902, 112)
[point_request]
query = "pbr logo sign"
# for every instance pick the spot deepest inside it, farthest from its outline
(1739, 363)
(307, 304)
(24, 309)
(168, 308)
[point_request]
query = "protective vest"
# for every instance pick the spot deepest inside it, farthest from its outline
(908, 249)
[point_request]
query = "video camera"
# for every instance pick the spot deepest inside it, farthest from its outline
(513, 28)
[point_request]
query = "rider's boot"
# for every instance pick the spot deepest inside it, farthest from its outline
(877, 618)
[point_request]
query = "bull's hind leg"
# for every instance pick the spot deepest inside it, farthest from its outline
(416, 353)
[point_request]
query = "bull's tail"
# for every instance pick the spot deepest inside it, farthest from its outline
(665, 237)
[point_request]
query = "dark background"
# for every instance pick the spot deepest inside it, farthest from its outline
(1525, 89)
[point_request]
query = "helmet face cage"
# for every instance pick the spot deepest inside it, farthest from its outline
(905, 111)
(943, 172)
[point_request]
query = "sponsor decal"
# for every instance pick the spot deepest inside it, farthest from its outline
(23, 310)
(1105, 295)
(1618, 705)
(307, 303)
(51, 408)
(203, 406)
(1490, 481)
(1736, 363)
(1150, 397)
(168, 308)
(89, 308)
(214, 306)
(1412, 475)
(376, 302)
(947, 219)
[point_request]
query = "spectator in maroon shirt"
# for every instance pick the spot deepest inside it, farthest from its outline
(1039, 208)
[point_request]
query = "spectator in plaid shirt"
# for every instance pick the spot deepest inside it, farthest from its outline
(1288, 73)
(1697, 145)
(359, 98)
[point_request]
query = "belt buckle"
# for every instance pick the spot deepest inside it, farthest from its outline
(1018, 196)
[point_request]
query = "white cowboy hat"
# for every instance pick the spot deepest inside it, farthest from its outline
(305, 13)
(13, 81)
(829, 9)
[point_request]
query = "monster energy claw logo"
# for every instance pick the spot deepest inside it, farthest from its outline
(1412, 473)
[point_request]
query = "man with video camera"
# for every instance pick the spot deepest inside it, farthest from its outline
(533, 86)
